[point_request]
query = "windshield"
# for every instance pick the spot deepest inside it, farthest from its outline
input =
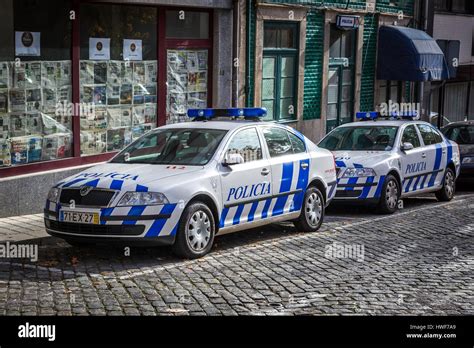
(364, 138)
(463, 135)
(185, 146)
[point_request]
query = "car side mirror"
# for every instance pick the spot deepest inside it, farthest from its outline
(407, 146)
(232, 159)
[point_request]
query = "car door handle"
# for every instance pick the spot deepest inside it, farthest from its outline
(304, 165)
(265, 171)
(423, 155)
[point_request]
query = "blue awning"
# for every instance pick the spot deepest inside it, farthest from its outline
(406, 54)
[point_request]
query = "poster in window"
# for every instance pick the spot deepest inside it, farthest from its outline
(33, 99)
(87, 72)
(56, 146)
(4, 75)
(118, 138)
(100, 73)
(87, 94)
(151, 72)
(19, 150)
(3, 102)
(49, 100)
(99, 48)
(113, 94)
(202, 60)
(34, 124)
(5, 157)
(132, 49)
(17, 100)
(100, 97)
(18, 76)
(126, 94)
(27, 43)
(192, 62)
(4, 128)
(33, 74)
(139, 73)
(35, 146)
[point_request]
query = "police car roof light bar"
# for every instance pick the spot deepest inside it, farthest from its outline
(230, 112)
(373, 115)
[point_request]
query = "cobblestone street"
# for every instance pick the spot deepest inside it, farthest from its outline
(418, 261)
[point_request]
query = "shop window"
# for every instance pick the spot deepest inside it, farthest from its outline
(188, 45)
(118, 75)
(279, 74)
(340, 101)
(187, 25)
(35, 81)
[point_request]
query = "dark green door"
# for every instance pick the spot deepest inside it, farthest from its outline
(340, 95)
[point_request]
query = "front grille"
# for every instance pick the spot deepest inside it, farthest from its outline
(96, 198)
(107, 230)
(348, 194)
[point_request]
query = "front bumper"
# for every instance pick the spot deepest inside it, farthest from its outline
(358, 188)
(145, 222)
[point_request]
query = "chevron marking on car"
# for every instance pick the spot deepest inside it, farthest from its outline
(437, 164)
(303, 177)
(285, 186)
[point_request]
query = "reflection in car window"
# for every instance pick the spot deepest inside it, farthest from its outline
(297, 143)
(411, 136)
(277, 141)
(463, 135)
(363, 138)
(173, 146)
(429, 135)
(247, 144)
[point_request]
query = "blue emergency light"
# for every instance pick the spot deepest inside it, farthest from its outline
(230, 112)
(372, 115)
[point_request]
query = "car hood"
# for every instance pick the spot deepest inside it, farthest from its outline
(128, 177)
(359, 158)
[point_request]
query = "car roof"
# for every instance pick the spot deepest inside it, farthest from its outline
(460, 123)
(383, 123)
(216, 124)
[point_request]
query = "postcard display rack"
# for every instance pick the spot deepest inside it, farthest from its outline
(124, 96)
(187, 83)
(31, 129)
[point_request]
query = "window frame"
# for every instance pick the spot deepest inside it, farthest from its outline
(432, 129)
(232, 136)
(278, 53)
(417, 131)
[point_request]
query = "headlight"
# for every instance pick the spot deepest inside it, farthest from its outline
(53, 195)
(358, 172)
(143, 198)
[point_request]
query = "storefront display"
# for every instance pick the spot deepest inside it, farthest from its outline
(187, 83)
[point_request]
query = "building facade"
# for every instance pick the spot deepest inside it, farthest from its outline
(309, 71)
(79, 80)
(453, 28)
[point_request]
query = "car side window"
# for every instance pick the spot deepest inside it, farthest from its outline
(298, 144)
(278, 141)
(411, 136)
(247, 144)
(429, 135)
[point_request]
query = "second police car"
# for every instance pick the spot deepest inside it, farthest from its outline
(182, 184)
(381, 161)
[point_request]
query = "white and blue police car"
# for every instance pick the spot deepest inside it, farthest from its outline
(182, 184)
(383, 160)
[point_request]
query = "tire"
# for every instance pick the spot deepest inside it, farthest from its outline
(196, 232)
(449, 186)
(391, 192)
(312, 211)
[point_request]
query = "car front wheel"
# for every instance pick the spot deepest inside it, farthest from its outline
(196, 232)
(449, 186)
(390, 194)
(312, 212)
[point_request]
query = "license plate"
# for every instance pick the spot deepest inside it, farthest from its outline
(79, 217)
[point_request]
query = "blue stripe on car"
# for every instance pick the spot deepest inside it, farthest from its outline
(116, 185)
(92, 183)
(266, 207)
(253, 209)
(285, 186)
(238, 214)
(415, 186)
(302, 184)
(106, 212)
(223, 217)
(366, 190)
(340, 164)
(134, 211)
(351, 181)
(437, 164)
(141, 188)
(158, 225)
(378, 191)
(72, 182)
